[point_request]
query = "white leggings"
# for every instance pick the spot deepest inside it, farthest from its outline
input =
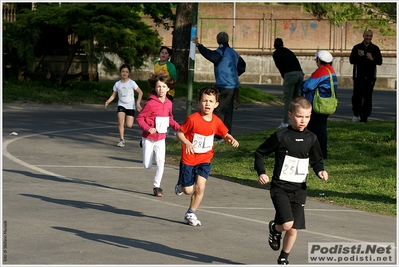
(149, 147)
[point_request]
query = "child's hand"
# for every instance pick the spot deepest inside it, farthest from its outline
(233, 142)
(323, 175)
(152, 130)
(189, 148)
(138, 107)
(263, 179)
(229, 138)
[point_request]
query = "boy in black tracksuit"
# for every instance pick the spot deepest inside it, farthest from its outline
(294, 149)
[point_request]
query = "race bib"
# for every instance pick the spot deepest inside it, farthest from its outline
(162, 124)
(202, 143)
(294, 169)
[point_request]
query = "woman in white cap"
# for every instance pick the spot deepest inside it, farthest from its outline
(320, 79)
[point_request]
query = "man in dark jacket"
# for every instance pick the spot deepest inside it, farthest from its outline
(228, 65)
(365, 57)
(291, 71)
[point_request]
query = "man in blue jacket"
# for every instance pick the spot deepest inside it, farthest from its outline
(228, 65)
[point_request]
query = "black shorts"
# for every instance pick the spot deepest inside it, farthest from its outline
(289, 206)
(128, 112)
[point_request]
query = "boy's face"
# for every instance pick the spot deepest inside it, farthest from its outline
(164, 55)
(300, 118)
(207, 104)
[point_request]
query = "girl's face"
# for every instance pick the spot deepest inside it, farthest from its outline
(161, 89)
(300, 118)
(125, 73)
(164, 55)
(207, 104)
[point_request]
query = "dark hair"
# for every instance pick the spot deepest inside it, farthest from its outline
(301, 102)
(208, 91)
(125, 66)
(170, 51)
(169, 81)
(222, 38)
(278, 43)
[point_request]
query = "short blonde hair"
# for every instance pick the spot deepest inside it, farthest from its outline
(299, 102)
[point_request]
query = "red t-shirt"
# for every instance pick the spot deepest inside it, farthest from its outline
(195, 124)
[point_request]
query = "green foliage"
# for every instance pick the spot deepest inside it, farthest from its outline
(19, 40)
(161, 13)
(367, 15)
(99, 29)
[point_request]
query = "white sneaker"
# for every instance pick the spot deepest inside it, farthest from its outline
(121, 143)
(355, 119)
(282, 125)
(191, 219)
(178, 190)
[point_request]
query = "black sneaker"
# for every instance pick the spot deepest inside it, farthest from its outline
(282, 261)
(274, 237)
(158, 192)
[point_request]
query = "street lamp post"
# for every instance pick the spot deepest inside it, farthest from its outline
(189, 104)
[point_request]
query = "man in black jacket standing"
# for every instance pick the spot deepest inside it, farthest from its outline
(291, 71)
(365, 57)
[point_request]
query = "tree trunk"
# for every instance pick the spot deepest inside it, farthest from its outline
(181, 40)
(68, 63)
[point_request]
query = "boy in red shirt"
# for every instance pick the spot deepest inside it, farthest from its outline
(197, 135)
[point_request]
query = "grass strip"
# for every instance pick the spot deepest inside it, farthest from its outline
(361, 165)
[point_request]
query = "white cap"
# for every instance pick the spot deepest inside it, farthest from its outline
(325, 56)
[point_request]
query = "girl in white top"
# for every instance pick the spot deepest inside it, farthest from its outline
(127, 106)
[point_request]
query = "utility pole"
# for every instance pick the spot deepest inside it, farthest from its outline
(189, 105)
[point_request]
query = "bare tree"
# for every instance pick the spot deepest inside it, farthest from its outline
(181, 40)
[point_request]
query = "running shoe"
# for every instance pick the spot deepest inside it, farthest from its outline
(274, 237)
(121, 143)
(158, 191)
(191, 219)
(282, 261)
(178, 190)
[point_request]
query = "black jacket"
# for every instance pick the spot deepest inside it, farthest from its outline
(286, 61)
(363, 67)
(290, 142)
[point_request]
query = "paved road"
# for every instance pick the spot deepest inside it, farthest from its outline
(70, 196)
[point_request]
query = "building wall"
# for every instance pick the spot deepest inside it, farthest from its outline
(254, 26)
